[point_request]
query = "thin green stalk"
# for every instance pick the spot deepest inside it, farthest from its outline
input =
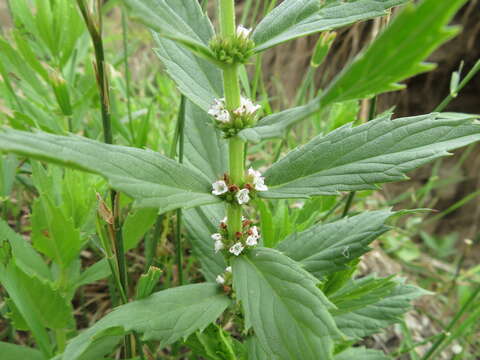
(232, 100)
(127, 74)
(475, 69)
(95, 29)
(458, 316)
(178, 230)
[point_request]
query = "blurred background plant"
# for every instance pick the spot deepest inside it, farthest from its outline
(48, 82)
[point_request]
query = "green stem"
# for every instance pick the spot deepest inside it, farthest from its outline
(231, 87)
(127, 74)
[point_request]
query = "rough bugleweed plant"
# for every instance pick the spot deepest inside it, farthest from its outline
(291, 298)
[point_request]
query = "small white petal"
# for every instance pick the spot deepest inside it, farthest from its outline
(243, 32)
(224, 220)
(236, 249)
(228, 269)
(243, 196)
(254, 231)
(219, 188)
(252, 240)
(223, 116)
(457, 349)
(218, 246)
(220, 280)
(217, 236)
(260, 184)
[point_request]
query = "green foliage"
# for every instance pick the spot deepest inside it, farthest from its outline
(166, 316)
(358, 158)
(293, 19)
(361, 353)
(150, 178)
(397, 54)
(15, 352)
(281, 301)
(327, 248)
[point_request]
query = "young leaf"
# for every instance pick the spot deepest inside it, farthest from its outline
(150, 178)
(16, 352)
(398, 52)
(372, 317)
(358, 158)
(179, 20)
(285, 307)
(274, 125)
(25, 256)
(294, 18)
(327, 248)
(165, 316)
(361, 353)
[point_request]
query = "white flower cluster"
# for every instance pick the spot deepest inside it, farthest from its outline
(243, 32)
(219, 111)
(253, 237)
(243, 195)
(237, 248)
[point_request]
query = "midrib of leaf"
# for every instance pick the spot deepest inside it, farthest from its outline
(280, 298)
(366, 157)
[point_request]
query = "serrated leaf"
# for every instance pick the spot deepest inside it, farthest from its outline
(179, 20)
(207, 152)
(50, 310)
(288, 312)
(16, 352)
(165, 316)
(327, 248)
(397, 53)
(358, 158)
(361, 353)
(274, 125)
(373, 317)
(25, 256)
(150, 178)
(294, 18)
(198, 79)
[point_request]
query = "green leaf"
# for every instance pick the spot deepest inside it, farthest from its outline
(372, 317)
(179, 20)
(201, 223)
(25, 256)
(16, 352)
(150, 178)
(137, 223)
(166, 316)
(361, 353)
(53, 311)
(358, 158)
(207, 152)
(198, 79)
(327, 248)
(99, 270)
(397, 53)
(294, 18)
(288, 312)
(275, 125)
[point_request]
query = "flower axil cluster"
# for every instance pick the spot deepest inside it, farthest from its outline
(231, 122)
(247, 238)
(235, 49)
(254, 183)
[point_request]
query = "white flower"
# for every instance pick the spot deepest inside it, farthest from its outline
(243, 197)
(457, 349)
(219, 187)
(252, 240)
(247, 107)
(217, 236)
(236, 249)
(258, 180)
(228, 269)
(243, 32)
(218, 111)
(218, 246)
(254, 231)
(220, 280)
(224, 220)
